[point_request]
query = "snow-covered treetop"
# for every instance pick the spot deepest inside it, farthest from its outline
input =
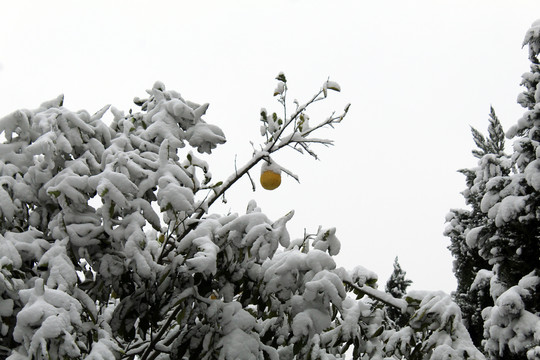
(109, 250)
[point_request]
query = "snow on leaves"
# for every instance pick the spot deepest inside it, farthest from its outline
(108, 249)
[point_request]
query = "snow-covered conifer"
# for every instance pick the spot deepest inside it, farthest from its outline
(466, 226)
(397, 286)
(496, 243)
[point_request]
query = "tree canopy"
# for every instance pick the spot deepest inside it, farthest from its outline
(110, 249)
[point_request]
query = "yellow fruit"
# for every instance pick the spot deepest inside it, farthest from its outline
(270, 180)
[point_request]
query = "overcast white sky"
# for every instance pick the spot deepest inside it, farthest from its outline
(418, 74)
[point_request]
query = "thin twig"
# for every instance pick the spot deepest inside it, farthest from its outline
(165, 327)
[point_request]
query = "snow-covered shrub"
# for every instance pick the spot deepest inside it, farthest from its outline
(109, 249)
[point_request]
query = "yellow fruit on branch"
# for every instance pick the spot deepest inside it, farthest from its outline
(270, 180)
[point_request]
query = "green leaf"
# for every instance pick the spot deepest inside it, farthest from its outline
(181, 316)
(378, 332)
(371, 283)
(281, 77)
(111, 209)
(55, 193)
(297, 347)
(332, 85)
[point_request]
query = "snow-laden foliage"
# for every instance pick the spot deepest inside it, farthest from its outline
(109, 249)
(397, 286)
(496, 243)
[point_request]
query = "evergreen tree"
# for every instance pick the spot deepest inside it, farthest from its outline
(502, 228)
(397, 286)
(472, 292)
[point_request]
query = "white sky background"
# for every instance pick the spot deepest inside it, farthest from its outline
(418, 74)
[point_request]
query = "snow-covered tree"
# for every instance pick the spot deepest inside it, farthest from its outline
(110, 250)
(496, 244)
(472, 292)
(397, 286)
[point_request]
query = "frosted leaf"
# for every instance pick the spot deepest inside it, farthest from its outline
(510, 325)
(6, 205)
(280, 274)
(280, 229)
(532, 38)
(106, 189)
(483, 276)
(119, 180)
(325, 287)
(256, 232)
(361, 276)
(242, 225)
(332, 85)
(280, 88)
(52, 328)
(84, 234)
(45, 144)
(205, 137)
(199, 111)
(204, 260)
(439, 313)
(180, 110)
(510, 303)
(178, 197)
(532, 174)
(61, 270)
(16, 122)
(163, 126)
(302, 324)
(30, 244)
(169, 172)
(318, 260)
(206, 228)
(46, 314)
(472, 236)
(508, 209)
(70, 185)
(529, 282)
(6, 308)
(352, 311)
(9, 254)
(53, 103)
(496, 287)
(104, 349)
(135, 246)
(238, 345)
(310, 321)
(326, 240)
(233, 316)
(148, 212)
(76, 121)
